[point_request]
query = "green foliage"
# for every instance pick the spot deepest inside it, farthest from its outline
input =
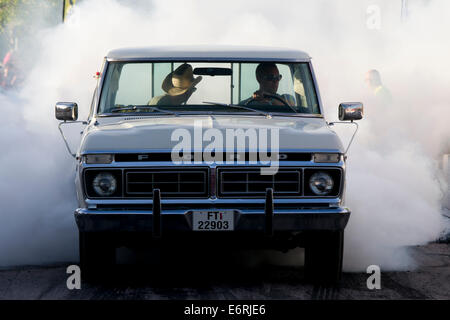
(7, 12)
(20, 18)
(18, 14)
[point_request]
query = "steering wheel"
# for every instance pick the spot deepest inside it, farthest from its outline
(265, 95)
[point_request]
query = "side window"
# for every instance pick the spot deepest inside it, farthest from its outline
(285, 84)
(91, 110)
(247, 80)
(160, 72)
(304, 88)
(109, 88)
(135, 85)
(235, 89)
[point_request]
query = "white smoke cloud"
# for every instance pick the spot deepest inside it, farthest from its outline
(391, 188)
(36, 186)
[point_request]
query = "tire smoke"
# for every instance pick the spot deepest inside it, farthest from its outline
(393, 185)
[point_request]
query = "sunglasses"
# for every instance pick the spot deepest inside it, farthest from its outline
(272, 77)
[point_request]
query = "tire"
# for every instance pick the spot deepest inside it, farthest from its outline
(323, 256)
(97, 255)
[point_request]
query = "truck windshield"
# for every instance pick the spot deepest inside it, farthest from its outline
(178, 87)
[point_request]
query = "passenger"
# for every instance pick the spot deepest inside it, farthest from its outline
(268, 77)
(179, 85)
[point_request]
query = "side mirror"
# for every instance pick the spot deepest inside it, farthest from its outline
(350, 111)
(66, 111)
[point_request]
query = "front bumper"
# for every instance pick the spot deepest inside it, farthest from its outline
(90, 220)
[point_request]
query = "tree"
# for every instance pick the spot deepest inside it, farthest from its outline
(7, 12)
(19, 18)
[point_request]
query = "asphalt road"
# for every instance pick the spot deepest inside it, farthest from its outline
(228, 278)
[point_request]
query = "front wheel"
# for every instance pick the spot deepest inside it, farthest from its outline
(323, 256)
(97, 255)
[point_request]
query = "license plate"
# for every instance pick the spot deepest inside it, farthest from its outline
(213, 220)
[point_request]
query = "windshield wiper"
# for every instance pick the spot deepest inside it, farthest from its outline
(237, 106)
(144, 107)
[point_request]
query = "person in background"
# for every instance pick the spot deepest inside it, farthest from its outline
(9, 76)
(9, 69)
(381, 94)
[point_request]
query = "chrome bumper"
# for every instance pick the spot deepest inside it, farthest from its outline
(245, 220)
(158, 221)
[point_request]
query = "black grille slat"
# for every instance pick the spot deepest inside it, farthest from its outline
(179, 206)
(167, 157)
(249, 182)
(229, 182)
(172, 182)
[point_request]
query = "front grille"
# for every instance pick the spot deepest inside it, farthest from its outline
(235, 182)
(171, 182)
(227, 182)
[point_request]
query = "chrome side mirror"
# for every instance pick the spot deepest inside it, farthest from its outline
(66, 111)
(351, 111)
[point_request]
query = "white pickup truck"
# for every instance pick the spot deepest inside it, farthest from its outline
(213, 147)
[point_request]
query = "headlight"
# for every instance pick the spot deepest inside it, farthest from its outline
(98, 158)
(321, 183)
(326, 157)
(104, 184)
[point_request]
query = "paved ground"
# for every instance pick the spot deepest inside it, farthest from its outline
(200, 279)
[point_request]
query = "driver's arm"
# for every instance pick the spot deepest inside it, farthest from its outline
(289, 99)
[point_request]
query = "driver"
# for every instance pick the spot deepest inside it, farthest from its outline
(179, 85)
(268, 77)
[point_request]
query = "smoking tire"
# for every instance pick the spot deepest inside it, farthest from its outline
(97, 255)
(323, 256)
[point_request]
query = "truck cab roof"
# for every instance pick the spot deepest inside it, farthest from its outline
(208, 53)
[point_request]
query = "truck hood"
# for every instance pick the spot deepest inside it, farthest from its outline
(152, 133)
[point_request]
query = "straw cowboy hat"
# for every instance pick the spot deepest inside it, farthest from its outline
(180, 80)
